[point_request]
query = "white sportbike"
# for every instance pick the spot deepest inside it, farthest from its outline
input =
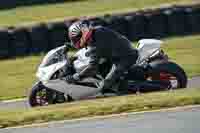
(152, 72)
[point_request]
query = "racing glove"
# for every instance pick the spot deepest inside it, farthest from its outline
(72, 78)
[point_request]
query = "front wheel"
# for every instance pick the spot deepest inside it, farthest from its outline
(168, 71)
(42, 96)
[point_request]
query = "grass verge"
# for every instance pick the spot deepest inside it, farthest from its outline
(17, 75)
(185, 52)
(113, 105)
(44, 13)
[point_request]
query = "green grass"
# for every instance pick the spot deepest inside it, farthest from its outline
(114, 105)
(18, 75)
(45, 13)
(186, 52)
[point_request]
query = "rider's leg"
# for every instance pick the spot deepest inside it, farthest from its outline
(116, 72)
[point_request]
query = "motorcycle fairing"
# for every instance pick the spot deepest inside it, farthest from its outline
(44, 74)
(76, 92)
(148, 48)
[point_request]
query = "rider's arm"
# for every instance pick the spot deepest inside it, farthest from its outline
(72, 59)
(91, 69)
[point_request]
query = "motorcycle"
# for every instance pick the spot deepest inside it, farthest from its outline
(152, 72)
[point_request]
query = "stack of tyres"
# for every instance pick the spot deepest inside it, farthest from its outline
(27, 2)
(156, 24)
(5, 49)
(98, 21)
(6, 4)
(175, 21)
(137, 26)
(55, 1)
(38, 35)
(20, 41)
(117, 23)
(188, 24)
(193, 19)
(35, 2)
(57, 33)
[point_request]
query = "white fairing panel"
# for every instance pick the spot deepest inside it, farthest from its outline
(147, 47)
(82, 60)
(75, 91)
(45, 73)
(51, 54)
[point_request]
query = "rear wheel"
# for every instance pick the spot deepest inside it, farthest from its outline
(42, 96)
(169, 72)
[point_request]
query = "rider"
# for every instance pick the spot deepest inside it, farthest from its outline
(104, 43)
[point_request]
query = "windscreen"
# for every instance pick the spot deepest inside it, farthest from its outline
(54, 56)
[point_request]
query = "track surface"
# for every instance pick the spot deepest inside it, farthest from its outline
(192, 83)
(177, 121)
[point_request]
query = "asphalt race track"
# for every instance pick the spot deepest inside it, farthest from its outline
(176, 121)
(192, 83)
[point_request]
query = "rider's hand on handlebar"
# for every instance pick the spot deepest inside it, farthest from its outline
(72, 78)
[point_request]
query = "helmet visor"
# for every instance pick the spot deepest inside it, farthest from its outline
(76, 42)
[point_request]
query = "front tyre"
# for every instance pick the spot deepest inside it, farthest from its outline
(41, 96)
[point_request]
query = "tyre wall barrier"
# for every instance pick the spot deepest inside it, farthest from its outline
(156, 26)
(5, 49)
(57, 33)
(137, 26)
(118, 23)
(20, 42)
(154, 23)
(176, 21)
(38, 35)
(98, 21)
(7, 4)
(193, 19)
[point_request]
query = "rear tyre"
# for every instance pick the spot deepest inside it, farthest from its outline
(169, 71)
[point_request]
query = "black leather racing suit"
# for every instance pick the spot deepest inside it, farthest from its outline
(112, 46)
